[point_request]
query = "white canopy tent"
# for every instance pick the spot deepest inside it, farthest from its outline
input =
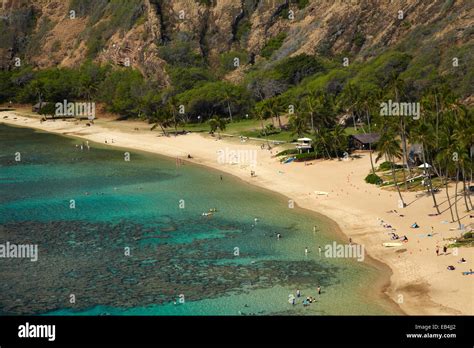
(424, 166)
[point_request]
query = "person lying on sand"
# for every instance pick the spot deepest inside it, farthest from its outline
(395, 212)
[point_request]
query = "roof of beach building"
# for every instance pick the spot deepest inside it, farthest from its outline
(37, 105)
(367, 138)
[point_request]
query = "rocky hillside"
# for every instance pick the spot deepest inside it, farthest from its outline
(47, 33)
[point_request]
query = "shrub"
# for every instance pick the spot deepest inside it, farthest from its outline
(181, 53)
(300, 3)
(227, 60)
(288, 152)
(185, 78)
(467, 235)
(373, 179)
(269, 130)
(307, 156)
(294, 69)
(215, 98)
(385, 166)
(272, 45)
(359, 40)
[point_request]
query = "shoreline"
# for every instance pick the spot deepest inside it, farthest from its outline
(352, 213)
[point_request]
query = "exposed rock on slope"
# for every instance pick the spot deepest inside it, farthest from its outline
(42, 32)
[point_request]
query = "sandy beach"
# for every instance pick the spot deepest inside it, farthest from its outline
(420, 282)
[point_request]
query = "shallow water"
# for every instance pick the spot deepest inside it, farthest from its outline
(174, 250)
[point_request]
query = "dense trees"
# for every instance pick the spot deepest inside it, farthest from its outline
(302, 94)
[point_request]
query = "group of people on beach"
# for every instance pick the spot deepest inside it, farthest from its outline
(83, 145)
(394, 236)
(307, 301)
(445, 249)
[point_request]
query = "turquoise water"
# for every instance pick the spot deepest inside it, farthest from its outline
(174, 251)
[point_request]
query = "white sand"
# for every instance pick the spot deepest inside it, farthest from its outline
(420, 282)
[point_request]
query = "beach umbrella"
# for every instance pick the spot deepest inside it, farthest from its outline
(424, 165)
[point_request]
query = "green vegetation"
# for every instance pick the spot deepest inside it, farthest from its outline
(373, 179)
(287, 152)
(384, 166)
(243, 30)
(282, 96)
(300, 3)
(306, 156)
(181, 52)
(273, 44)
(184, 79)
(467, 240)
(359, 39)
(105, 18)
(232, 60)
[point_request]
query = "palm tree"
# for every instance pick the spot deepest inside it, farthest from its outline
(217, 123)
(349, 98)
(324, 139)
(273, 108)
(445, 159)
(397, 86)
(154, 111)
(311, 105)
(299, 124)
(367, 101)
(228, 98)
(459, 150)
(338, 139)
(389, 147)
(423, 135)
(464, 137)
(173, 110)
(260, 113)
(161, 118)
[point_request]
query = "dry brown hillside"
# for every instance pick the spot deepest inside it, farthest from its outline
(43, 32)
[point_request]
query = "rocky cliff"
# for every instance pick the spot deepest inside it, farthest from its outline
(46, 33)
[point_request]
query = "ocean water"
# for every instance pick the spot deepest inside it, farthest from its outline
(136, 242)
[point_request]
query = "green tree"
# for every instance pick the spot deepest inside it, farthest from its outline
(299, 124)
(217, 123)
(389, 147)
(423, 134)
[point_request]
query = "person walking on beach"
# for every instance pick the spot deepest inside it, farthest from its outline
(445, 249)
(437, 251)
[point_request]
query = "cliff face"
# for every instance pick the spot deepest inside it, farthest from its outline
(44, 34)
